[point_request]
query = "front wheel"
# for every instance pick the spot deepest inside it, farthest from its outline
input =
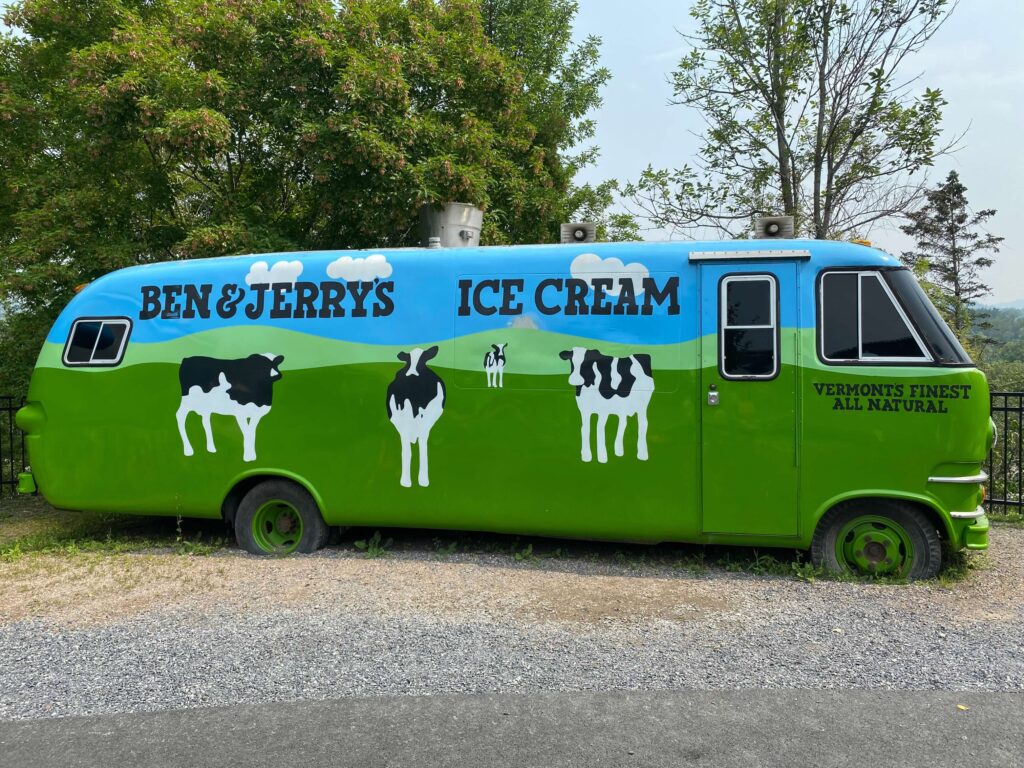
(278, 517)
(880, 537)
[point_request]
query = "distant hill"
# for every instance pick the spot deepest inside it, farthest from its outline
(1018, 304)
(1006, 330)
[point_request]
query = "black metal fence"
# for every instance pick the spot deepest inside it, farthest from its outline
(12, 446)
(1005, 465)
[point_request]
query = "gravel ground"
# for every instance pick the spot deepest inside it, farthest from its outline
(123, 633)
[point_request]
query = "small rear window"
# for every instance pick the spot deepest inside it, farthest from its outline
(97, 341)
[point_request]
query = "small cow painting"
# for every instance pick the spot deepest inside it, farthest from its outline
(494, 365)
(241, 388)
(611, 386)
(415, 402)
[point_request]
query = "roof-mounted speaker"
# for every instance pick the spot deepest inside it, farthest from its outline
(579, 232)
(774, 228)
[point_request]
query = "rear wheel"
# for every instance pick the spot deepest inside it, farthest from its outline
(278, 517)
(880, 537)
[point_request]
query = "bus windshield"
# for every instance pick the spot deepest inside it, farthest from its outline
(929, 322)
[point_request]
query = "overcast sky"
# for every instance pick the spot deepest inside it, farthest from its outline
(977, 60)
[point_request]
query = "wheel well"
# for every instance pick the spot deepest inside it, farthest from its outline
(929, 511)
(229, 507)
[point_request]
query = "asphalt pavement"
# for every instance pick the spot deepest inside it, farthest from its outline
(674, 728)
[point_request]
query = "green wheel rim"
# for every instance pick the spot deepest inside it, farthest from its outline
(875, 544)
(277, 527)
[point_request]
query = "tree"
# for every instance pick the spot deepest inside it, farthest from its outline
(807, 114)
(950, 251)
(562, 83)
(134, 131)
(595, 203)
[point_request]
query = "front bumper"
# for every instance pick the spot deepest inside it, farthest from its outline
(975, 536)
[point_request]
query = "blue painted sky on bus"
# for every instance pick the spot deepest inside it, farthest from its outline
(425, 297)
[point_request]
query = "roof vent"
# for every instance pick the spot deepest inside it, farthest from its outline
(453, 225)
(579, 232)
(774, 228)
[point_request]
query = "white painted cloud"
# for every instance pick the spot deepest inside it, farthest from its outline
(360, 270)
(589, 266)
(281, 272)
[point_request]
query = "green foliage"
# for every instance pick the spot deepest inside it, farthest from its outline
(957, 565)
(42, 530)
(950, 254)
(21, 337)
(375, 546)
(561, 81)
(1002, 353)
(805, 571)
(524, 555)
(1005, 334)
(693, 563)
(134, 131)
(807, 114)
(595, 204)
(1003, 375)
(443, 548)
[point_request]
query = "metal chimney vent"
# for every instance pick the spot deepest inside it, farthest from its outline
(452, 225)
(774, 228)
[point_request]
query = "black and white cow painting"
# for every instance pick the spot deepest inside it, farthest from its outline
(416, 398)
(241, 388)
(611, 386)
(494, 365)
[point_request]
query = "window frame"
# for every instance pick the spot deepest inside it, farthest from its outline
(723, 326)
(91, 363)
(928, 358)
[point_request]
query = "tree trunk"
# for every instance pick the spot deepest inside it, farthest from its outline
(820, 230)
(780, 93)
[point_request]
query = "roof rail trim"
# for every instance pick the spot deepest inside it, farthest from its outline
(790, 253)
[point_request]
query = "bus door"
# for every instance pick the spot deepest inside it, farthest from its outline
(749, 353)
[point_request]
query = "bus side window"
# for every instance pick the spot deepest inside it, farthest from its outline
(862, 322)
(97, 341)
(749, 338)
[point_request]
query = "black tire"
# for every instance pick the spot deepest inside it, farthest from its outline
(314, 531)
(919, 530)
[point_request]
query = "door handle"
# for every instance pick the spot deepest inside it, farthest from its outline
(712, 395)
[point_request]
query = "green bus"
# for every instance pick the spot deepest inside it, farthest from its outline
(783, 393)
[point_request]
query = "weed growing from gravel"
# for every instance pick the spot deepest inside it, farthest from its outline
(957, 565)
(763, 564)
(38, 529)
(692, 563)
(375, 546)
(524, 555)
(805, 571)
(12, 554)
(628, 560)
(445, 549)
(731, 565)
(197, 546)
